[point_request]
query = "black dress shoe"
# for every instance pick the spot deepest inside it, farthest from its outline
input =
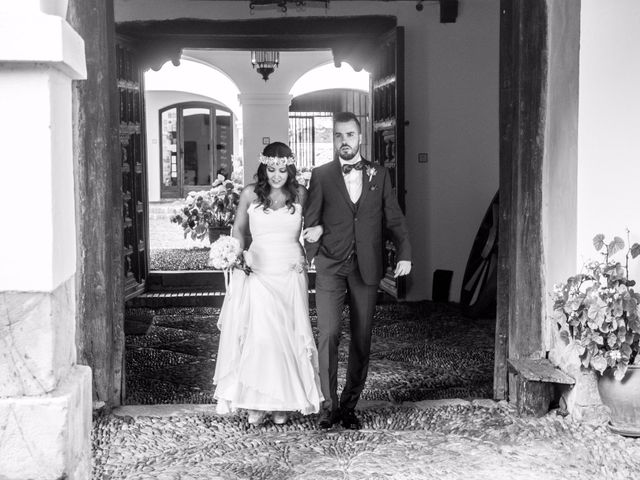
(328, 418)
(349, 419)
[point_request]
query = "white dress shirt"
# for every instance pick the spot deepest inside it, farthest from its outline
(353, 179)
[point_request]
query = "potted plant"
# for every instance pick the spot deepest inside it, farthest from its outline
(598, 314)
(209, 213)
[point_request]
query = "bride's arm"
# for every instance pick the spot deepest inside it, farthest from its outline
(310, 234)
(241, 223)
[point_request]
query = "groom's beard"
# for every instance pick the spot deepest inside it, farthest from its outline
(347, 153)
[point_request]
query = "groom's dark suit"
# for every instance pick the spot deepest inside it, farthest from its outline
(348, 256)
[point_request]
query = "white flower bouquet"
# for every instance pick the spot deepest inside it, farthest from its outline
(225, 253)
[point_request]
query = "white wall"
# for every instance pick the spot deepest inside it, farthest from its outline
(560, 164)
(452, 106)
(195, 77)
(451, 99)
(609, 127)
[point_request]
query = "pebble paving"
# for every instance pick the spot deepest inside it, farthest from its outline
(455, 440)
(421, 353)
(194, 257)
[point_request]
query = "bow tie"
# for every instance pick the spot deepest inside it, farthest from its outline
(346, 168)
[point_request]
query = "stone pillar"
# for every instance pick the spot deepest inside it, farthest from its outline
(264, 115)
(582, 401)
(45, 398)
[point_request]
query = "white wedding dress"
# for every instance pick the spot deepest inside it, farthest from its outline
(267, 358)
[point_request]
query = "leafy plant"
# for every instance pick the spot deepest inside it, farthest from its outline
(303, 176)
(598, 312)
(208, 208)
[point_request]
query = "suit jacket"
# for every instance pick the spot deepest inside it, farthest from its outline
(354, 228)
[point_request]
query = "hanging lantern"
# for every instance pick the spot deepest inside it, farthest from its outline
(265, 62)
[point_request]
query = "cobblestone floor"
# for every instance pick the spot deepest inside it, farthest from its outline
(440, 439)
(420, 354)
(419, 351)
(424, 358)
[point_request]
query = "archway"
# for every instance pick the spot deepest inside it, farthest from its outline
(316, 96)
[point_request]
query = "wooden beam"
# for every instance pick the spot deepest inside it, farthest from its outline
(98, 177)
(533, 398)
(539, 370)
(523, 76)
(353, 39)
(507, 123)
(535, 381)
(448, 11)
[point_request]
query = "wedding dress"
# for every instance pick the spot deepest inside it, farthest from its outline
(267, 358)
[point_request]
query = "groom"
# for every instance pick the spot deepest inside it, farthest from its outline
(352, 200)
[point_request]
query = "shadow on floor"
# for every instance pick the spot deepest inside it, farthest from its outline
(420, 351)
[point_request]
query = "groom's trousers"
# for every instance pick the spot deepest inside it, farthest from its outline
(331, 290)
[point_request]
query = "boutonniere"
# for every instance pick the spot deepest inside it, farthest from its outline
(371, 171)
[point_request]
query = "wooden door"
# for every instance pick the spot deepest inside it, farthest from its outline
(132, 155)
(170, 167)
(387, 109)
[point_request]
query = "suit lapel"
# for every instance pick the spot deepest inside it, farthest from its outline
(365, 182)
(336, 171)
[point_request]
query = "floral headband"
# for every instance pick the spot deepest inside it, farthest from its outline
(277, 162)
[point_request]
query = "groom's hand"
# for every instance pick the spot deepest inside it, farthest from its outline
(403, 267)
(312, 234)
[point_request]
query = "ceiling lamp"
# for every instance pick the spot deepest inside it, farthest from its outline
(266, 62)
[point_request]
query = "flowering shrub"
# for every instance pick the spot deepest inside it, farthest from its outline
(303, 175)
(208, 208)
(598, 313)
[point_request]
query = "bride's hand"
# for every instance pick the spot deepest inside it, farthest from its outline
(247, 261)
(312, 234)
(248, 258)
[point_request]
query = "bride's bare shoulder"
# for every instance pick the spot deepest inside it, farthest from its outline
(248, 193)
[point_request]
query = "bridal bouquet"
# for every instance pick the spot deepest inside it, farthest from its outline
(225, 253)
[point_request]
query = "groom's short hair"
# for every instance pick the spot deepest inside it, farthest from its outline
(344, 117)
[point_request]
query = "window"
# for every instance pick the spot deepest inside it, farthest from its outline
(196, 145)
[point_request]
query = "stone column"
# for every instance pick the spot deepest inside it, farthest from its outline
(45, 398)
(264, 115)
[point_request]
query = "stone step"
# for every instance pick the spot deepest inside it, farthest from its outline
(193, 281)
(210, 298)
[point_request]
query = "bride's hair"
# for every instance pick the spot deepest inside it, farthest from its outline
(290, 187)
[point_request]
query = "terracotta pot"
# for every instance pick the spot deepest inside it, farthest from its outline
(215, 232)
(623, 398)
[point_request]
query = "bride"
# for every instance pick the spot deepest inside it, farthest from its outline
(267, 358)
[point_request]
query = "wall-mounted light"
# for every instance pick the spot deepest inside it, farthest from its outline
(265, 62)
